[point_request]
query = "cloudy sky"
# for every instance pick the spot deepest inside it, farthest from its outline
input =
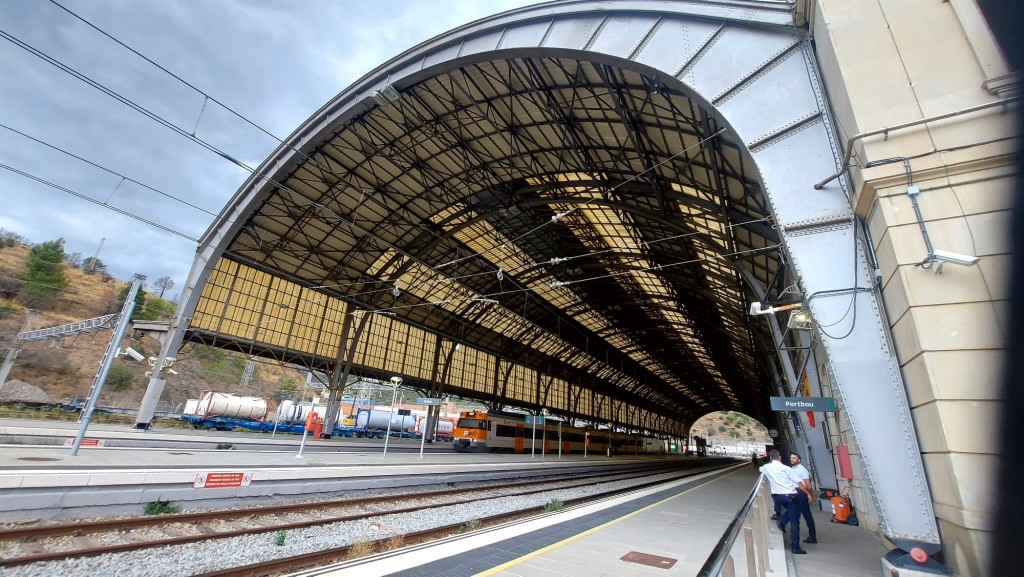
(274, 62)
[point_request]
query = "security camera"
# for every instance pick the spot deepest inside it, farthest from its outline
(134, 354)
(954, 258)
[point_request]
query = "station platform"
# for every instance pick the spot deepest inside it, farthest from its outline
(681, 523)
(46, 481)
(656, 532)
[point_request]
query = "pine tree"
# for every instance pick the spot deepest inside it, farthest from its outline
(45, 276)
(140, 302)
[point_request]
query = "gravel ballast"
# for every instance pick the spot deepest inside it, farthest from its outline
(204, 556)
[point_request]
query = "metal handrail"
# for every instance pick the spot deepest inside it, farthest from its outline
(716, 561)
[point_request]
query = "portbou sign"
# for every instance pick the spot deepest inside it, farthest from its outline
(812, 404)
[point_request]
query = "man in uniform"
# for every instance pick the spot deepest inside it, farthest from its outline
(804, 495)
(785, 485)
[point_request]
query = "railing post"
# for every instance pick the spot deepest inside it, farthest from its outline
(721, 562)
(762, 533)
(748, 540)
(729, 569)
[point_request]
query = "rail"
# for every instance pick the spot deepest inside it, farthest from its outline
(751, 520)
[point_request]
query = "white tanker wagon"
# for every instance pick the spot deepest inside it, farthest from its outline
(379, 418)
(296, 413)
(445, 427)
(230, 406)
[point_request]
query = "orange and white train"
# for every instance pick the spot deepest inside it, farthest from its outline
(479, 431)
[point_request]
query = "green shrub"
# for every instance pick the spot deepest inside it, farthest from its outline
(161, 508)
(470, 525)
(279, 538)
(225, 446)
(554, 505)
(120, 377)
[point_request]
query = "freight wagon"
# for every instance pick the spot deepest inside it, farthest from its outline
(227, 412)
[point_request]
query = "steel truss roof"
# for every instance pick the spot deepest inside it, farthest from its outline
(570, 215)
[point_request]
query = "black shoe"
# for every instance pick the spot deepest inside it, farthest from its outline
(775, 517)
(799, 552)
(781, 526)
(812, 541)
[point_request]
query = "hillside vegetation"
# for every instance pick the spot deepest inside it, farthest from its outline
(60, 370)
(728, 427)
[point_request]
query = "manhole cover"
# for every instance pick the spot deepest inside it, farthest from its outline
(173, 453)
(648, 559)
(37, 459)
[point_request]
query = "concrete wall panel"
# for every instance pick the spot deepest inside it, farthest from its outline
(954, 375)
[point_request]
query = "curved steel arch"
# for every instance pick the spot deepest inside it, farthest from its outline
(736, 64)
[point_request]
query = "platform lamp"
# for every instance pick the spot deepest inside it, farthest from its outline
(395, 382)
(543, 431)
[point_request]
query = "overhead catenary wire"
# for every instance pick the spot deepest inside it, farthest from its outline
(145, 112)
(211, 148)
(207, 98)
(647, 243)
(562, 215)
(328, 169)
(327, 210)
(104, 298)
(175, 76)
(108, 170)
(665, 266)
(94, 201)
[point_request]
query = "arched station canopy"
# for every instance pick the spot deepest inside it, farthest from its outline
(546, 189)
(571, 207)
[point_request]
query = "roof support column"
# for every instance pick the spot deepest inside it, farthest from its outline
(830, 262)
(814, 445)
(200, 272)
(437, 387)
(342, 366)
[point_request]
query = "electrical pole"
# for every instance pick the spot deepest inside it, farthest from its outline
(108, 360)
(96, 257)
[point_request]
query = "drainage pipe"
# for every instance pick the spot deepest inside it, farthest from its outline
(888, 129)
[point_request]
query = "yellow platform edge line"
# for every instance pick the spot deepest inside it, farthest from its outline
(514, 562)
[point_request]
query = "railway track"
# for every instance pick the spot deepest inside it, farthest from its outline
(338, 554)
(21, 546)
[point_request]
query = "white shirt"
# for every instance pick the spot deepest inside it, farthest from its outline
(782, 479)
(802, 472)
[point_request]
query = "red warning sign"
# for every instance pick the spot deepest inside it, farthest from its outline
(221, 480)
(85, 443)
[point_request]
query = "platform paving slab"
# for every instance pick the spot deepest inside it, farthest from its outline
(841, 551)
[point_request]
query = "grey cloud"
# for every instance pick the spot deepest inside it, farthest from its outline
(274, 62)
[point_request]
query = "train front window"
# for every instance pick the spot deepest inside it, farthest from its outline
(473, 424)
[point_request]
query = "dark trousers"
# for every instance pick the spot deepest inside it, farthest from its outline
(778, 504)
(792, 518)
(805, 510)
